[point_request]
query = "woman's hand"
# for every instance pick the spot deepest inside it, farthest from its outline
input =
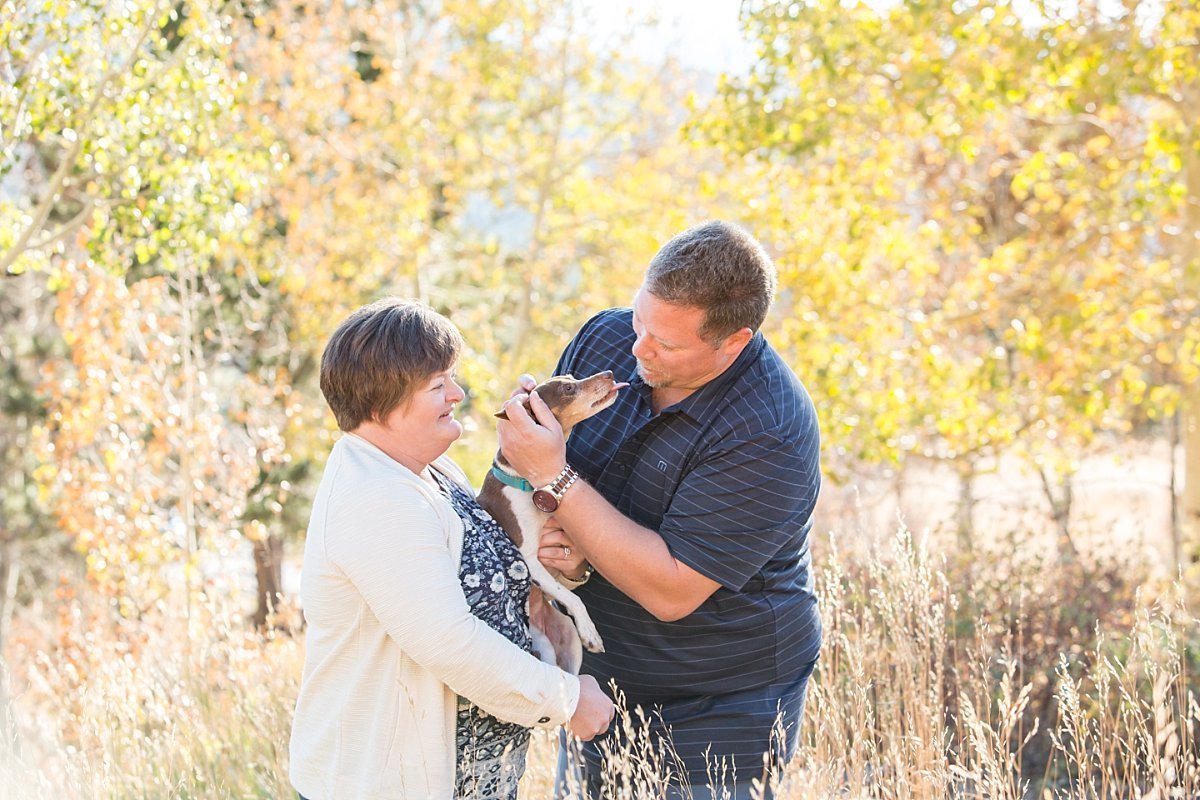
(526, 383)
(594, 713)
(557, 552)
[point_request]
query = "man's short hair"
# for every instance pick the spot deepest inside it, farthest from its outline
(717, 267)
(380, 355)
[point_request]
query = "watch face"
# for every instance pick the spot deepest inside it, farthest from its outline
(544, 501)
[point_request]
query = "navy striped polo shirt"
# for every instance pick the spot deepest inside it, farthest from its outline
(729, 478)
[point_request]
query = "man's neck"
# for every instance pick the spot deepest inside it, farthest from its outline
(665, 396)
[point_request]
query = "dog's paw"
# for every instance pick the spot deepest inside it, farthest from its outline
(590, 637)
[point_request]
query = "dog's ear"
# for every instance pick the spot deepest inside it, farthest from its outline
(502, 414)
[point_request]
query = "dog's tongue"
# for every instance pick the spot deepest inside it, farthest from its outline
(619, 386)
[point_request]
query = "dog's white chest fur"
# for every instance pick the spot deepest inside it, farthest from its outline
(530, 520)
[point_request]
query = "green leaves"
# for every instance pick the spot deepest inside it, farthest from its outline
(984, 225)
(987, 199)
(129, 115)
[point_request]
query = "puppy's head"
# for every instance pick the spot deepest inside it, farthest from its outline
(573, 399)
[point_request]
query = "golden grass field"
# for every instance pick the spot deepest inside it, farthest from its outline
(926, 689)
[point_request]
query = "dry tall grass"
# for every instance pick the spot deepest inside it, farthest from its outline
(167, 715)
(918, 695)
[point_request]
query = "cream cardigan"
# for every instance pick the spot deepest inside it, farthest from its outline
(391, 640)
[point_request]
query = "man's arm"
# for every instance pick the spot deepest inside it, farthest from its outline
(633, 558)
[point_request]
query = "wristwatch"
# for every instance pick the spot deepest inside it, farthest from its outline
(547, 498)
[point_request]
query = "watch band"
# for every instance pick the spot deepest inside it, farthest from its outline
(547, 498)
(558, 487)
(564, 481)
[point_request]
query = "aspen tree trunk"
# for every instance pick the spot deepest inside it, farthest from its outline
(549, 176)
(965, 516)
(1189, 527)
(268, 571)
(1189, 255)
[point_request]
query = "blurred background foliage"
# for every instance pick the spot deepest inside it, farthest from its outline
(985, 215)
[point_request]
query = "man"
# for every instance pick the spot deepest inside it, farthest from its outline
(694, 508)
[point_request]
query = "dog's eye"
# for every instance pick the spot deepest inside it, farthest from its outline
(569, 388)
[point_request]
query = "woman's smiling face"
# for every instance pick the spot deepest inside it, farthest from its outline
(423, 426)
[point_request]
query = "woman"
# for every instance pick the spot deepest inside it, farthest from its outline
(418, 680)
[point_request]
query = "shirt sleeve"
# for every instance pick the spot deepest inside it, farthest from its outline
(747, 500)
(569, 353)
(390, 544)
(568, 362)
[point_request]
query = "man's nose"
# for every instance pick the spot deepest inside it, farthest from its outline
(640, 348)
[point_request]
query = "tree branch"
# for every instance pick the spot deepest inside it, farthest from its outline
(54, 189)
(89, 205)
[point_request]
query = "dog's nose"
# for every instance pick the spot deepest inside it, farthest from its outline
(607, 374)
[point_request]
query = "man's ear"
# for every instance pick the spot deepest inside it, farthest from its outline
(734, 343)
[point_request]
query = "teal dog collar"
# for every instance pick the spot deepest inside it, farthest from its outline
(509, 480)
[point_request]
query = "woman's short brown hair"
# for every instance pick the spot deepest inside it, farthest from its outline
(380, 354)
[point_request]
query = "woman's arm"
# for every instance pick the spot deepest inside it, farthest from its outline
(390, 544)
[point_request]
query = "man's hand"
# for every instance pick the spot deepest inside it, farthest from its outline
(537, 448)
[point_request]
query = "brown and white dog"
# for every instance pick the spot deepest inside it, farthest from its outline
(508, 497)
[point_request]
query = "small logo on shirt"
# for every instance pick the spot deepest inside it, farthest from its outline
(662, 466)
